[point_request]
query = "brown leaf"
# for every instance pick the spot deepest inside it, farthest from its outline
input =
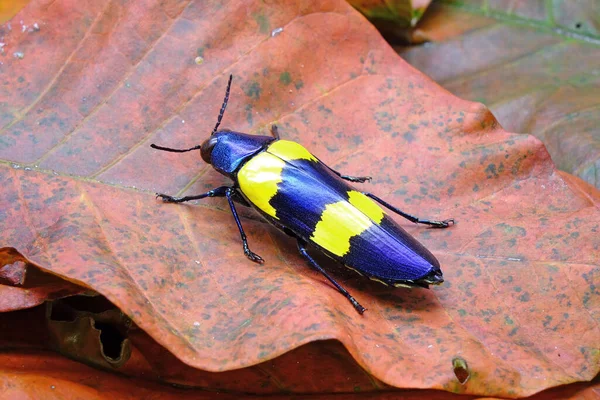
(533, 63)
(520, 304)
(49, 376)
(22, 285)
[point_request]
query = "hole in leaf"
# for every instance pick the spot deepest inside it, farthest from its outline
(461, 369)
(111, 340)
(62, 312)
(93, 304)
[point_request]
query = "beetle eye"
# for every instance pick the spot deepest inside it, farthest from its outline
(207, 148)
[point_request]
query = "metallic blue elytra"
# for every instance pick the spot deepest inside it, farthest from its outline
(306, 199)
(384, 251)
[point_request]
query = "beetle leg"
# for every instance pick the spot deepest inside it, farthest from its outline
(230, 193)
(313, 263)
(217, 192)
(275, 131)
(436, 224)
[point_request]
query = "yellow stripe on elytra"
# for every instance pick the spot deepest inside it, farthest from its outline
(258, 180)
(287, 150)
(366, 205)
(339, 222)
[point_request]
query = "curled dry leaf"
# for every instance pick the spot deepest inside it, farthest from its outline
(520, 303)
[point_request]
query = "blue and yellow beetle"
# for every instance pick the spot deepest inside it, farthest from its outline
(313, 203)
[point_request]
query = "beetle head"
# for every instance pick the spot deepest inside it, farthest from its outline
(226, 150)
(207, 148)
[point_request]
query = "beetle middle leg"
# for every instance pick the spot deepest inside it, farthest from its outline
(436, 224)
(302, 248)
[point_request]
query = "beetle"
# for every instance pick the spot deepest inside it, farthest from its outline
(302, 196)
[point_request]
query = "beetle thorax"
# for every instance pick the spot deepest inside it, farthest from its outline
(227, 151)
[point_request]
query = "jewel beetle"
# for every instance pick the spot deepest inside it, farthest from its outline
(302, 196)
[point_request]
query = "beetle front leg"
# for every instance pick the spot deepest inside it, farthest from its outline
(217, 192)
(230, 193)
(302, 248)
(436, 224)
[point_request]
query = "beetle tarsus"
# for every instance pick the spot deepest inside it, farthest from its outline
(253, 256)
(302, 248)
(350, 178)
(436, 224)
(166, 198)
(443, 224)
(360, 309)
(359, 179)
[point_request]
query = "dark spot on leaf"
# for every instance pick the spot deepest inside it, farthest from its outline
(285, 78)
(490, 171)
(264, 25)
(324, 109)
(248, 110)
(524, 297)
(253, 90)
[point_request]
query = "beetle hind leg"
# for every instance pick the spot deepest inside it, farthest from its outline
(436, 224)
(302, 248)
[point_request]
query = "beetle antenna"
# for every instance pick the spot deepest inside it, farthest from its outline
(224, 106)
(174, 150)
